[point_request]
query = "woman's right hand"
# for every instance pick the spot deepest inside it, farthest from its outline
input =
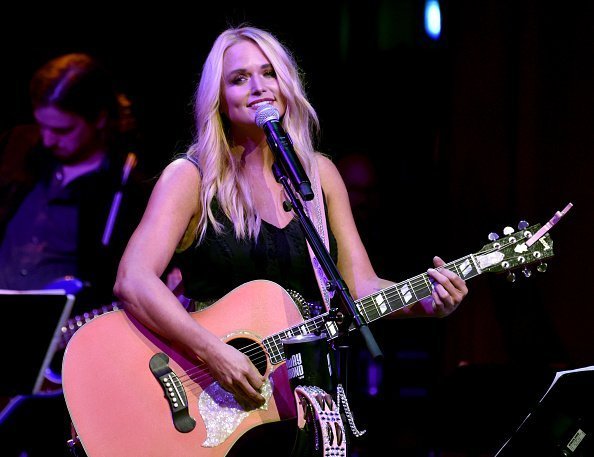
(236, 373)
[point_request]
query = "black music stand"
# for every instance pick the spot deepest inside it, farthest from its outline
(31, 335)
(562, 423)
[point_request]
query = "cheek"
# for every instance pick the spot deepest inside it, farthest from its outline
(224, 106)
(80, 138)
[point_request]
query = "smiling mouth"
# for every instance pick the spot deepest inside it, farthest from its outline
(255, 105)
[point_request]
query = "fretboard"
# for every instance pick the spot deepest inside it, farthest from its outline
(398, 296)
(371, 307)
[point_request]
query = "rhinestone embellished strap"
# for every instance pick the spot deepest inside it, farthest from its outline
(317, 407)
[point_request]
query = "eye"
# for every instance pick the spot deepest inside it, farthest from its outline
(239, 79)
(56, 130)
(62, 131)
(270, 73)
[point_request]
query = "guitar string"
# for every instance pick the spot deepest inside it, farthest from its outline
(367, 303)
(422, 281)
(371, 306)
(259, 347)
(249, 350)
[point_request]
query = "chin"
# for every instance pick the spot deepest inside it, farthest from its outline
(64, 157)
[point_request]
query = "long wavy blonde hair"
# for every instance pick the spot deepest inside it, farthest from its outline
(222, 171)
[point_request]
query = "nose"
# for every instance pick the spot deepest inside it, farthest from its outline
(49, 139)
(258, 84)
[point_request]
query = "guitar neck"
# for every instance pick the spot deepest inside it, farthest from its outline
(405, 293)
(372, 307)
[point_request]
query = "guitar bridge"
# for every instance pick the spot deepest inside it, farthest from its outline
(174, 392)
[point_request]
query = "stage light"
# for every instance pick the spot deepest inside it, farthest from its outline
(432, 19)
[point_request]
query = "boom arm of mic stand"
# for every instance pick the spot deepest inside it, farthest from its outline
(327, 264)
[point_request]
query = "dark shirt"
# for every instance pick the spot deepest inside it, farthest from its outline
(222, 262)
(40, 242)
(48, 231)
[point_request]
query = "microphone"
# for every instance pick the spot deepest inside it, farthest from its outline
(267, 118)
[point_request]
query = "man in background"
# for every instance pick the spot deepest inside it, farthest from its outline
(70, 197)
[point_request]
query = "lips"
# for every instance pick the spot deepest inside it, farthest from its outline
(256, 103)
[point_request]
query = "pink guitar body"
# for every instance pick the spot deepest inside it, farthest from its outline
(118, 406)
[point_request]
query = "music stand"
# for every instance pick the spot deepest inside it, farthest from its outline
(34, 319)
(562, 423)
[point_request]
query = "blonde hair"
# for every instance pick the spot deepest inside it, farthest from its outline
(221, 170)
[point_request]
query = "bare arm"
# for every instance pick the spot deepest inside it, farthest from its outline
(172, 205)
(354, 263)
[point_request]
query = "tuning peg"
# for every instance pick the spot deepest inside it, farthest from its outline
(522, 225)
(511, 276)
(527, 272)
(508, 230)
(493, 236)
(542, 267)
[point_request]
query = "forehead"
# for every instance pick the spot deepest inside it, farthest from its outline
(242, 54)
(50, 116)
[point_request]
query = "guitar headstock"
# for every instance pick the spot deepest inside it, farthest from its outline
(512, 252)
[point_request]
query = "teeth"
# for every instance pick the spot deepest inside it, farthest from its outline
(260, 104)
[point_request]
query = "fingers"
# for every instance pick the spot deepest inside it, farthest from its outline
(438, 261)
(252, 383)
(448, 288)
(244, 382)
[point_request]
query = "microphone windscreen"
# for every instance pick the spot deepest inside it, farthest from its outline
(266, 113)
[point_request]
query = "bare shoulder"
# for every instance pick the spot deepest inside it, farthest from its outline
(329, 174)
(181, 168)
(181, 175)
(177, 188)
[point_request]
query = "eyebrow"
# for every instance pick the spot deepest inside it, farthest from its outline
(265, 66)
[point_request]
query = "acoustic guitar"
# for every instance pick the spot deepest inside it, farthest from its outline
(130, 392)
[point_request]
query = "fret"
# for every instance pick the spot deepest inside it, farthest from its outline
(363, 309)
(477, 270)
(381, 303)
(267, 347)
(452, 267)
(394, 298)
(406, 292)
(274, 343)
(277, 349)
(283, 336)
(466, 267)
(331, 329)
(377, 305)
(310, 326)
(273, 353)
(425, 289)
(372, 307)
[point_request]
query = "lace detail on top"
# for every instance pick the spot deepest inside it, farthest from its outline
(221, 262)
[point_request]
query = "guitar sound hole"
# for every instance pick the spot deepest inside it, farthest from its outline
(253, 350)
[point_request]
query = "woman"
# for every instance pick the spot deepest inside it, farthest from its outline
(224, 211)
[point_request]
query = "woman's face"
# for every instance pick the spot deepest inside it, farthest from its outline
(248, 81)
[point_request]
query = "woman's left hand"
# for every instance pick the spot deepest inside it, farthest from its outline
(448, 290)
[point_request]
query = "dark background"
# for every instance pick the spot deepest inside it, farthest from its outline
(487, 126)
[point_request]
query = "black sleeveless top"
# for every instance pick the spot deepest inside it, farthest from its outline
(222, 262)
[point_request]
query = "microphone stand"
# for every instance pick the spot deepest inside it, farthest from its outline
(335, 282)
